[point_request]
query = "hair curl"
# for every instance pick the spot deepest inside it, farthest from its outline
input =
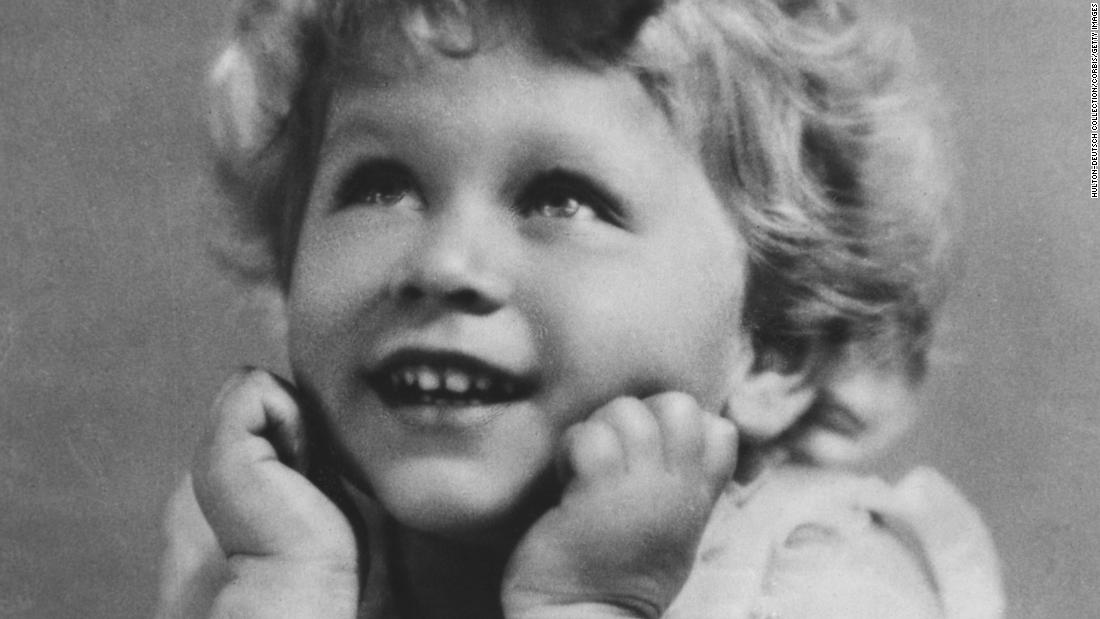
(810, 115)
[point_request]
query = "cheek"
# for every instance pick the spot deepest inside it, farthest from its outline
(312, 299)
(322, 310)
(312, 318)
(659, 325)
(338, 278)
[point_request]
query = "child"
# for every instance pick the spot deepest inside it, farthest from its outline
(586, 303)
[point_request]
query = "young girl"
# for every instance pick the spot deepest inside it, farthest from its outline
(587, 303)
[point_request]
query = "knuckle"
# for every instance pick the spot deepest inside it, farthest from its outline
(622, 403)
(675, 403)
(618, 410)
(637, 419)
(680, 416)
(254, 378)
(572, 436)
(632, 421)
(592, 439)
(246, 387)
(723, 446)
(597, 431)
(237, 386)
(724, 428)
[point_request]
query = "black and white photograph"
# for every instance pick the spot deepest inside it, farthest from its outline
(549, 309)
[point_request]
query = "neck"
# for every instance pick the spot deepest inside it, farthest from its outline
(437, 577)
(432, 576)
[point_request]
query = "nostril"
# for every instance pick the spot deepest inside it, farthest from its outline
(470, 300)
(464, 299)
(410, 292)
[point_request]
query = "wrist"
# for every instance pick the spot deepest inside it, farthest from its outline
(270, 587)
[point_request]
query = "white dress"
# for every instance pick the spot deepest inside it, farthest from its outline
(797, 542)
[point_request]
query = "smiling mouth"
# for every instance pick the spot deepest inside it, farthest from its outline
(445, 379)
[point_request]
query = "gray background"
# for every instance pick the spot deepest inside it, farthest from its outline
(116, 328)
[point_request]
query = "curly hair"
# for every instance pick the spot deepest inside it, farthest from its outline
(811, 116)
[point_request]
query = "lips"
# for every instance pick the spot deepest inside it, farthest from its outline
(445, 379)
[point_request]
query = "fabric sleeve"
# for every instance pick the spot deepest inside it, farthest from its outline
(918, 550)
(957, 546)
(844, 569)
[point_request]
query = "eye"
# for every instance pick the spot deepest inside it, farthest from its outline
(378, 184)
(562, 205)
(566, 195)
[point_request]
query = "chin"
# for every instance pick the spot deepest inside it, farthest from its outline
(458, 504)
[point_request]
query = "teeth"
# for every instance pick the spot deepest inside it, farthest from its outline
(456, 381)
(424, 383)
(428, 379)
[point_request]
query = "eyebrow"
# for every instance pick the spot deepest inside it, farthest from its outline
(355, 129)
(576, 152)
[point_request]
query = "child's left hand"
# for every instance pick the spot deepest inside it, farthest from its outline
(646, 474)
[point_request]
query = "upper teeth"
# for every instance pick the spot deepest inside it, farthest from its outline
(456, 381)
(451, 380)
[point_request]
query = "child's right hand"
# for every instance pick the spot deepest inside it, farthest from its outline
(645, 476)
(291, 551)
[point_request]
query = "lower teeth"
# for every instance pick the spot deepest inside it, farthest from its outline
(426, 398)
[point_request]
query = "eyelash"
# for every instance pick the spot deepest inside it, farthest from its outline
(388, 183)
(377, 184)
(551, 188)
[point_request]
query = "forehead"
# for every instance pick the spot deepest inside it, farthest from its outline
(496, 119)
(502, 94)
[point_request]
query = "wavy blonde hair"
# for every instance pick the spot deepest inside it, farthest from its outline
(811, 116)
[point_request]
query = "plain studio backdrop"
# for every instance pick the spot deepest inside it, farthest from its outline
(116, 327)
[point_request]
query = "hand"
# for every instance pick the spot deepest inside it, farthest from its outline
(291, 551)
(645, 476)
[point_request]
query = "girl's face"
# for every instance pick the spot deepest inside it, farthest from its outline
(495, 247)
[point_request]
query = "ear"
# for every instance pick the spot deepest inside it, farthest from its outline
(765, 399)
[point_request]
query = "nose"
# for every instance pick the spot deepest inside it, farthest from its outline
(459, 264)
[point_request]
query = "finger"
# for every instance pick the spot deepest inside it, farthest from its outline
(592, 450)
(256, 404)
(681, 423)
(235, 440)
(637, 430)
(720, 438)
